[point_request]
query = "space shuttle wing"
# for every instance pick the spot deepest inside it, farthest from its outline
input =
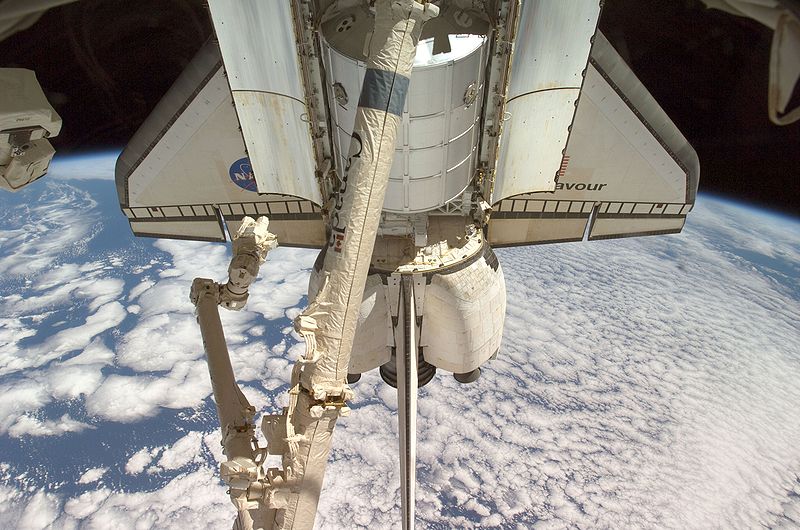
(626, 171)
(186, 174)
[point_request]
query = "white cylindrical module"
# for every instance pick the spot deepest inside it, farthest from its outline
(435, 152)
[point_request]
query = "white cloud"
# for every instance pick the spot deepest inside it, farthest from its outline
(183, 452)
(70, 382)
(212, 441)
(27, 425)
(95, 353)
(83, 506)
(92, 475)
(17, 398)
(63, 380)
(130, 398)
(40, 513)
(192, 500)
(13, 359)
(140, 460)
(181, 342)
(101, 291)
(60, 222)
(12, 504)
(641, 383)
(106, 317)
(64, 284)
(137, 290)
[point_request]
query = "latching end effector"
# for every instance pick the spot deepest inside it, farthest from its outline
(26, 120)
(251, 244)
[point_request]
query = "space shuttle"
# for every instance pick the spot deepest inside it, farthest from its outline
(405, 140)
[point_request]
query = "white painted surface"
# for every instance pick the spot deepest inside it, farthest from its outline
(268, 93)
(464, 315)
(550, 53)
(435, 149)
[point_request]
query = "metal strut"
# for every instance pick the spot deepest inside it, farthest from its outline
(407, 355)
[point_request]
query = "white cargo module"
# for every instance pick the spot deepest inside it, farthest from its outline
(434, 159)
(405, 140)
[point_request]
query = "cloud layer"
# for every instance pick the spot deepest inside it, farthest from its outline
(641, 383)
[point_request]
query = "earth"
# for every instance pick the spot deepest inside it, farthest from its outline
(647, 382)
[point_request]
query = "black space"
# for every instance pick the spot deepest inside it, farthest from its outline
(104, 64)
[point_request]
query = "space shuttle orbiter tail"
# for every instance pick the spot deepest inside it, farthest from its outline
(626, 170)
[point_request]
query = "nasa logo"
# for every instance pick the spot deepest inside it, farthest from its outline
(241, 174)
(579, 186)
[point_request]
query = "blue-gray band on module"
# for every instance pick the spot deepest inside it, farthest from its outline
(384, 90)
